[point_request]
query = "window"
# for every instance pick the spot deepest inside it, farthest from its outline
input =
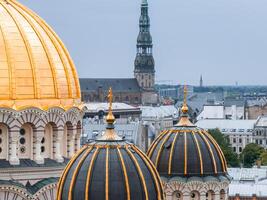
(240, 140)
(240, 149)
(177, 195)
(234, 140)
(234, 149)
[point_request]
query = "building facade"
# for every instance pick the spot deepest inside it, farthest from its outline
(125, 90)
(40, 105)
(239, 132)
(260, 132)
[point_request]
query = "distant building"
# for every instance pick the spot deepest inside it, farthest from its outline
(127, 117)
(260, 132)
(138, 90)
(144, 64)
(228, 109)
(256, 108)
(240, 132)
(196, 102)
(248, 183)
(168, 92)
(124, 90)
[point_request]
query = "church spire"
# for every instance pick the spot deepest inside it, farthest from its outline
(144, 70)
(201, 81)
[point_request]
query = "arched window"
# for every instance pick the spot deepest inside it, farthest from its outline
(210, 195)
(126, 98)
(3, 141)
(222, 195)
(47, 141)
(177, 195)
(67, 141)
(194, 195)
(25, 143)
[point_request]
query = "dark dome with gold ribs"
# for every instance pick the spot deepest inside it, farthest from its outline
(110, 169)
(187, 151)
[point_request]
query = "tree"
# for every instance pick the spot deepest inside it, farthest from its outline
(223, 141)
(263, 158)
(251, 153)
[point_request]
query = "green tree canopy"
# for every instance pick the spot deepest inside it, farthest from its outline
(223, 141)
(263, 158)
(251, 153)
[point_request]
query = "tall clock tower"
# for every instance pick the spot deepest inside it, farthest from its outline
(144, 65)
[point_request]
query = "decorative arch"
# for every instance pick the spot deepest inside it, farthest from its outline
(26, 141)
(67, 140)
(48, 140)
(177, 195)
(210, 195)
(4, 141)
(11, 192)
(222, 194)
(194, 195)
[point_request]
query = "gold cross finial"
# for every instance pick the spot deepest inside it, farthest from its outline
(185, 107)
(110, 116)
(110, 98)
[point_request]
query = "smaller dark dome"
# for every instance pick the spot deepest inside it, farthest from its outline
(110, 169)
(187, 151)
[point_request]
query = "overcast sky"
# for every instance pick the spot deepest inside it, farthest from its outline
(224, 40)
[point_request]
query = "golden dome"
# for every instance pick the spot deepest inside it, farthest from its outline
(36, 69)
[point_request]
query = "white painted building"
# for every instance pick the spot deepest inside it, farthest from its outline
(260, 132)
(240, 132)
(248, 182)
(227, 110)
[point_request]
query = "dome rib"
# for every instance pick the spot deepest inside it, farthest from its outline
(36, 70)
(49, 58)
(155, 143)
(74, 176)
(152, 169)
(161, 147)
(218, 149)
(54, 39)
(8, 64)
(27, 46)
(141, 176)
(199, 153)
(205, 152)
(171, 154)
(126, 179)
(65, 172)
(59, 41)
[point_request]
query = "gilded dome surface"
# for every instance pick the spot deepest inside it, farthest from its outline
(36, 69)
